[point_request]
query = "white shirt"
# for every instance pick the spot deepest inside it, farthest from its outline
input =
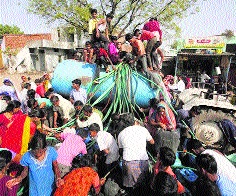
(133, 140)
(106, 141)
(66, 105)
(204, 77)
(94, 118)
(79, 94)
(224, 166)
(181, 86)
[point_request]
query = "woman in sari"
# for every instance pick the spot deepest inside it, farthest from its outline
(6, 119)
(164, 121)
(17, 133)
(80, 180)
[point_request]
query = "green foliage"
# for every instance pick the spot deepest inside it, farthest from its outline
(67, 12)
(129, 14)
(7, 29)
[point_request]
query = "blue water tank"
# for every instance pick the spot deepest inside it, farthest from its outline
(68, 70)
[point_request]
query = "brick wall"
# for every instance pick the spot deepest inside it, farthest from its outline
(19, 41)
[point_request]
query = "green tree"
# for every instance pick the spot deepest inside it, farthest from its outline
(7, 29)
(74, 13)
(128, 14)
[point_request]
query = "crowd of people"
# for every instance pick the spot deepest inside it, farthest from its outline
(136, 156)
(86, 155)
(107, 50)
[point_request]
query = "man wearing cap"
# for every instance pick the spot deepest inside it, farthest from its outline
(8, 88)
(77, 92)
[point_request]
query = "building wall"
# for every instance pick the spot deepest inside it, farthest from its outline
(52, 58)
(19, 41)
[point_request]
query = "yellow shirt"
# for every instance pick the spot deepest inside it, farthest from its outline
(92, 25)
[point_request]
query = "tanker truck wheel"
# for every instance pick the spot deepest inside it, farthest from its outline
(207, 129)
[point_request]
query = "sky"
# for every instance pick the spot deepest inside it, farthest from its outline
(214, 18)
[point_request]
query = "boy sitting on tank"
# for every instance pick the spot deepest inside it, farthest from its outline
(102, 58)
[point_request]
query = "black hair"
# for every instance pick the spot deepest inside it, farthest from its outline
(39, 113)
(127, 119)
(128, 36)
(193, 144)
(6, 97)
(167, 156)
(77, 81)
(136, 31)
(160, 107)
(110, 15)
(31, 93)
(88, 108)
(82, 161)
(196, 110)
(165, 184)
(96, 45)
(26, 85)
(39, 80)
(9, 108)
(31, 102)
(16, 103)
(38, 141)
(94, 127)
(83, 132)
(88, 43)
(2, 163)
(112, 38)
(207, 162)
(93, 11)
(153, 102)
(7, 155)
(49, 92)
(54, 99)
(205, 187)
(78, 103)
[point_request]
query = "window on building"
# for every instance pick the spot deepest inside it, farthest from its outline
(32, 50)
(59, 58)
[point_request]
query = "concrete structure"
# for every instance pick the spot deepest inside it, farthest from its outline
(39, 52)
(199, 54)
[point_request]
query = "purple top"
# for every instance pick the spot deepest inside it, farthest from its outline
(153, 26)
(113, 52)
(4, 190)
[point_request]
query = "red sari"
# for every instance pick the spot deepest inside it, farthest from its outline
(4, 121)
(18, 135)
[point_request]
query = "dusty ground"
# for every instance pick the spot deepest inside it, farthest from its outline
(16, 77)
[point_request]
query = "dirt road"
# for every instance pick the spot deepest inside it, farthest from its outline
(16, 77)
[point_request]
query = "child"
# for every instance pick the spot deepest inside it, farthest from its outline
(40, 162)
(113, 51)
(88, 52)
(4, 162)
(102, 58)
(92, 22)
(40, 90)
(101, 33)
